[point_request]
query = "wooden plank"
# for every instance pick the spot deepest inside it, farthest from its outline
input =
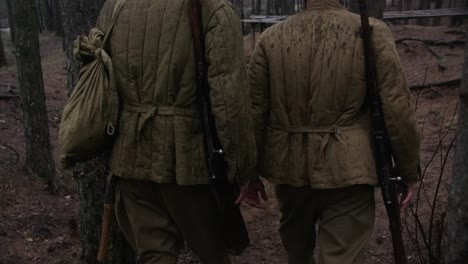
(447, 12)
(426, 13)
(264, 19)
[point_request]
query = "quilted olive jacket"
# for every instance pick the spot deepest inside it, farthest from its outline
(308, 92)
(159, 134)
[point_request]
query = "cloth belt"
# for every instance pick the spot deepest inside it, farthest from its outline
(331, 132)
(334, 130)
(148, 112)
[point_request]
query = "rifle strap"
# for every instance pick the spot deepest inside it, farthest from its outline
(318, 129)
(115, 14)
(199, 46)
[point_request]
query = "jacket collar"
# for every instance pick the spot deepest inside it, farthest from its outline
(325, 4)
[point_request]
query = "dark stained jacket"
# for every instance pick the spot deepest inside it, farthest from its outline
(308, 91)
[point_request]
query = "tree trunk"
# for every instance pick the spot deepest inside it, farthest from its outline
(258, 7)
(289, 7)
(3, 61)
(41, 16)
(10, 20)
(57, 16)
(38, 149)
(457, 215)
(457, 21)
(79, 16)
(423, 5)
(436, 20)
(376, 7)
(49, 14)
(91, 189)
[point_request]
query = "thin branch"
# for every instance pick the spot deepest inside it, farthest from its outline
(6, 146)
(437, 84)
(8, 96)
(433, 42)
(419, 90)
(439, 182)
(419, 227)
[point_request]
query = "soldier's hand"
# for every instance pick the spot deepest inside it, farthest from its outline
(250, 194)
(406, 191)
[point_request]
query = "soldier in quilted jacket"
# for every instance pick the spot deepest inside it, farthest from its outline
(164, 196)
(313, 128)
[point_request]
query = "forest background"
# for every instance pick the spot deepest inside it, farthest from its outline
(48, 216)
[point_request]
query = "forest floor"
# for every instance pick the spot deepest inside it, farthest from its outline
(36, 227)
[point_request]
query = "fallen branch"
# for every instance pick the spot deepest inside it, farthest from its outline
(438, 84)
(455, 32)
(433, 42)
(434, 53)
(440, 64)
(8, 96)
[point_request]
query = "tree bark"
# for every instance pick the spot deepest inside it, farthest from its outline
(57, 17)
(91, 189)
(41, 16)
(79, 16)
(3, 61)
(457, 215)
(49, 14)
(258, 7)
(10, 20)
(38, 149)
(376, 7)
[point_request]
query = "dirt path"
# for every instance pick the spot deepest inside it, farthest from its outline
(38, 228)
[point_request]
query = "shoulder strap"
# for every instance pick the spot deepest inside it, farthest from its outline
(199, 46)
(115, 14)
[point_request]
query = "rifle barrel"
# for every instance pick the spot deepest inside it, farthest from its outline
(382, 146)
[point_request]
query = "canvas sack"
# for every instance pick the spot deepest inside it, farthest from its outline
(89, 121)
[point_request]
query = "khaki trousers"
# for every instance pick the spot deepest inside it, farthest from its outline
(345, 219)
(157, 218)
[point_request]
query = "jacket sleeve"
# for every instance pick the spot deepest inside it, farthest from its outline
(229, 93)
(259, 83)
(398, 110)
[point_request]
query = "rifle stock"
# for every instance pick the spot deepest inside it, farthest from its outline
(382, 147)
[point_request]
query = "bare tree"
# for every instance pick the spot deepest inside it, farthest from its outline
(3, 61)
(258, 7)
(56, 6)
(281, 7)
(79, 16)
(41, 15)
(10, 20)
(38, 148)
(457, 216)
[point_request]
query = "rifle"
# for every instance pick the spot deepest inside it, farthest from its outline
(233, 226)
(382, 147)
(107, 215)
